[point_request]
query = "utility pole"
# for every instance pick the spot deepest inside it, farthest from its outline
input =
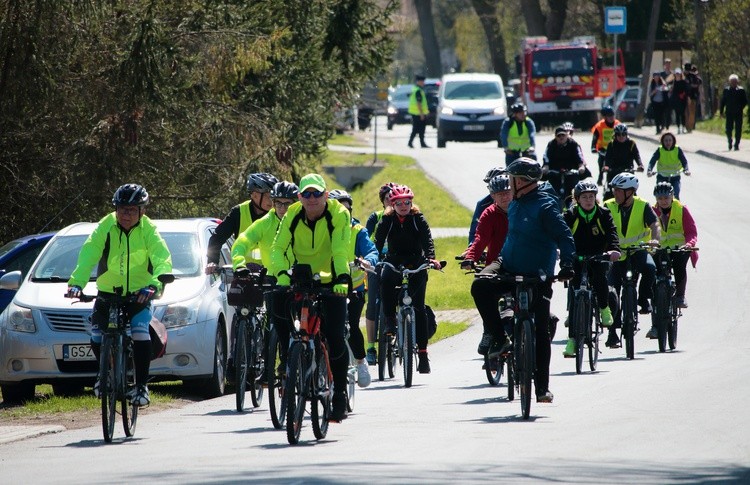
(648, 56)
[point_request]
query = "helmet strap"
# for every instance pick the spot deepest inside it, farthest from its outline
(517, 195)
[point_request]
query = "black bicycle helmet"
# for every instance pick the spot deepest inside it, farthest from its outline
(607, 111)
(492, 173)
(624, 181)
(663, 188)
(499, 183)
(340, 195)
(517, 108)
(526, 168)
(621, 128)
(284, 190)
(260, 182)
(130, 194)
(583, 186)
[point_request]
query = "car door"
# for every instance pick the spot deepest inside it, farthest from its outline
(20, 260)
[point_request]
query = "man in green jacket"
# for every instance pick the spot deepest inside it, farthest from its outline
(318, 230)
(418, 109)
(130, 254)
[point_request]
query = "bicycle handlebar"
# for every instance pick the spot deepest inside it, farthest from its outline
(406, 272)
(164, 278)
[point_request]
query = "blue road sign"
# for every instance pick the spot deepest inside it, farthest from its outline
(615, 20)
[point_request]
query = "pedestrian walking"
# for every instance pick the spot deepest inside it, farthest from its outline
(733, 102)
(418, 109)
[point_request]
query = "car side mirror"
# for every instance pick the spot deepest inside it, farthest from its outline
(11, 281)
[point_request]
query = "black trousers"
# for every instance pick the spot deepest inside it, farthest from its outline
(389, 279)
(734, 120)
(486, 293)
(356, 339)
(418, 126)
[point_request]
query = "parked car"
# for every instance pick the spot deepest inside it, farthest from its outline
(44, 337)
(18, 255)
(432, 88)
(344, 118)
(625, 102)
(471, 107)
(398, 105)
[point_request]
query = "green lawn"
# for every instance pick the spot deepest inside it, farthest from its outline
(346, 140)
(716, 125)
(449, 290)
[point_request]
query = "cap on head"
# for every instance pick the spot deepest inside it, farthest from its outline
(312, 181)
(678, 71)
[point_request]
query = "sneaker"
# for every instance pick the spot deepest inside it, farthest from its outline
(372, 356)
(338, 411)
(363, 374)
(606, 316)
(546, 397)
(570, 348)
(613, 341)
(681, 302)
(142, 397)
(653, 333)
(484, 344)
(645, 308)
(424, 363)
(97, 393)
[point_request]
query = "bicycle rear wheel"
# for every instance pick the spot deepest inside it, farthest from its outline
(129, 410)
(241, 358)
(407, 346)
(581, 315)
(255, 363)
(276, 401)
(662, 314)
(108, 389)
(629, 320)
(526, 367)
(296, 392)
(320, 406)
(511, 378)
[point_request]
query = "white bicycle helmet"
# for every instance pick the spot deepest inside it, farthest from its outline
(624, 181)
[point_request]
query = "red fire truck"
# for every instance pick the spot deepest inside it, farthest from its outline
(567, 79)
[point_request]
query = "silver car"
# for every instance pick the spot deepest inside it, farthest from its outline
(44, 337)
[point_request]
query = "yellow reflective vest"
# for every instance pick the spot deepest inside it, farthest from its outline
(668, 164)
(518, 141)
(637, 232)
(414, 104)
(673, 234)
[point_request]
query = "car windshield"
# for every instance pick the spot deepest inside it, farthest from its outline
(401, 93)
(9, 247)
(472, 90)
(562, 62)
(61, 257)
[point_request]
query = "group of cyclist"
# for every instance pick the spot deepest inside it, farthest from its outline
(522, 225)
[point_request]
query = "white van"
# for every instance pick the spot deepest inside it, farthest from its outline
(471, 107)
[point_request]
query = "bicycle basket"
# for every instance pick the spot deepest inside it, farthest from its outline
(246, 290)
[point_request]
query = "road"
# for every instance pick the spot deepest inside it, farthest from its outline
(677, 417)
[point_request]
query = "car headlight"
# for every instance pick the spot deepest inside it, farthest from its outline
(499, 111)
(20, 319)
(446, 111)
(181, 314)
(392, 110)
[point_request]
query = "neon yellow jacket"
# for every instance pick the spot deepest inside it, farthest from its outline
(123, 257)
(259, 236)
(324, 251)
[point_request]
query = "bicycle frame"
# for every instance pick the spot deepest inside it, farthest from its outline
(666, 311)
(584, 315)
(629, 301)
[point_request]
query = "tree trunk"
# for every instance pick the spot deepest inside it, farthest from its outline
(558, 10)
(532, 13)
(487, 12)
(646, 76)
(429, 39)
(701, 59)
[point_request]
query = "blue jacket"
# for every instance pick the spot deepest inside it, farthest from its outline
(536, 230)
(365, 248)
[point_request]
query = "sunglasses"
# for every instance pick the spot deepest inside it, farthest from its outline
(128, 211)
(401, 203)
(315, 193)
(278, 203)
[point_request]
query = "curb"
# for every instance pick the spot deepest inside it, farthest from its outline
(15, 433)
(707, 154)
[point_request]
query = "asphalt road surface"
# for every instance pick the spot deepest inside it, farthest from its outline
(677, 417)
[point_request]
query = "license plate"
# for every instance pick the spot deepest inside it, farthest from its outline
(473, 127)
(77, 352)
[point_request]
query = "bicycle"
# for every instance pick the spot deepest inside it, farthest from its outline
(585, 318)
(309, 376)
(117, 364)
(352, 375)
(524, 334)
(666, 312)
(401, 347)
(563, 182)
(245, 294)
(628, 300)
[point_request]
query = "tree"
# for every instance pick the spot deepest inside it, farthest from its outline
(429, 39)
(539, 23)
(487, 12)
(645, 77)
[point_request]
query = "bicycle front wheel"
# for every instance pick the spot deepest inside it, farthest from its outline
(320, 406)
(241, 363)
(493, 369)
(129, 410)
(527, 365)
(108, 389)
(407, 346)
(629, 320)
(581, 316)
(255, 363)
(511, 379)
(662, 314)
(296, 392)
(276, 401)
(672, 328)
(594, 332)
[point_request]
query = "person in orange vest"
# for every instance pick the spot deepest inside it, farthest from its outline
(604, 132)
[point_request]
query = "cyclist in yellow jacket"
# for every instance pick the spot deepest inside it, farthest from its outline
(130, 254)
(318, 232)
